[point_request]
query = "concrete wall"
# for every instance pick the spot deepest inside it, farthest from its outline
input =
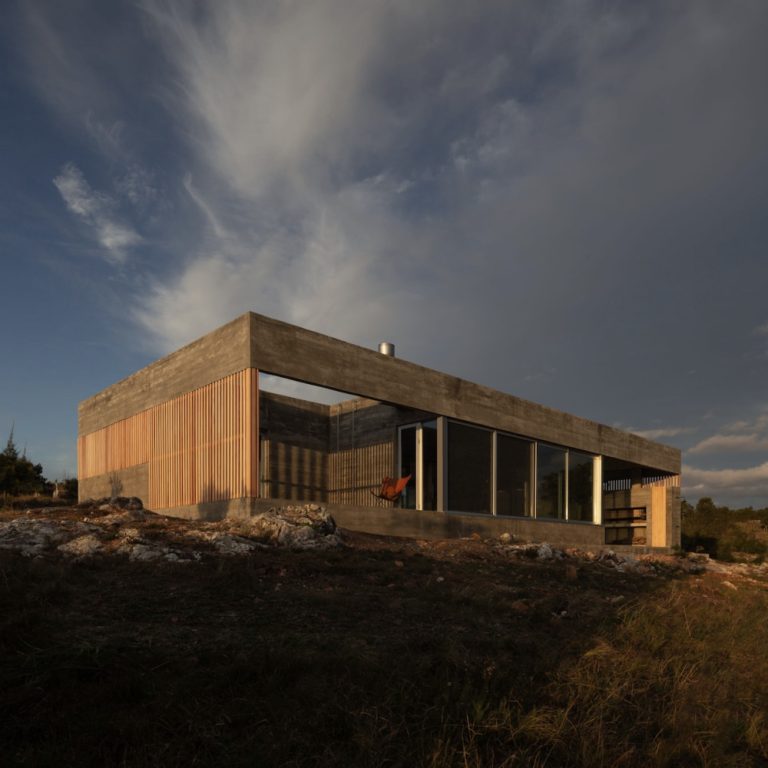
(422, 525)
(662, 505)
(214, 356)
(286, 350)
(294, 448)
(363, 449)
(329, 453)
(405, 392)
(133, 481)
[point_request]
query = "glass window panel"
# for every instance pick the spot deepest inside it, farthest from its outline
(469, 468)
(580, 505)
(550, 482)
(429, 463)
(513, 476)
(408, 466)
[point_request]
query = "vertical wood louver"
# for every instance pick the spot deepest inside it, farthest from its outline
(198, 447)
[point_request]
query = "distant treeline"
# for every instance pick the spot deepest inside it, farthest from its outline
(725, 533)
(21, 477)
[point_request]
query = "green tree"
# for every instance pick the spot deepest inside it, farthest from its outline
(18, 475)
(705, 506)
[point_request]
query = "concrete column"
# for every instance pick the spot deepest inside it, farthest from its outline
(442, 434)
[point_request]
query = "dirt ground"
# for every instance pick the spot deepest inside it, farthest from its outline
(178, 644)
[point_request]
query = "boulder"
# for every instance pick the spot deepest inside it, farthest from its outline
(82, 546)
(298, 527)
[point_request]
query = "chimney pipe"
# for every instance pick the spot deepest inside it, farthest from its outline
(387, 349)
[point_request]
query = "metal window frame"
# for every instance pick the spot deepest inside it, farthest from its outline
(531, 501)
(532, 505)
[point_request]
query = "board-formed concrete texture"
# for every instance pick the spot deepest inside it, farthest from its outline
(186, 433)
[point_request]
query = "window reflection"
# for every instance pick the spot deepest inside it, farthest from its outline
(550, 482)
(513, 476)
(429, 463)
(580, 488)
(469, 468)
(408, 466)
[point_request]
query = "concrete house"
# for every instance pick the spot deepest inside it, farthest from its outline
(193, 435)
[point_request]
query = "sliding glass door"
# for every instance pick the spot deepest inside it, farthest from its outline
(418, 458)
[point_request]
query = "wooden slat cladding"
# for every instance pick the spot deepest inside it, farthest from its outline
(661, 481)
(355, 472)
(362, 437)
(199, 447)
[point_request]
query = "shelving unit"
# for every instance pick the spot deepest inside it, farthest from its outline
(626, 525)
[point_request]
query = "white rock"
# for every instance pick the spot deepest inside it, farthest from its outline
(32, 537)
(145, 552)
(82, 546)
(544, 552)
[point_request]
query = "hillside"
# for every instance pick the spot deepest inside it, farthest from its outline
(128, 638)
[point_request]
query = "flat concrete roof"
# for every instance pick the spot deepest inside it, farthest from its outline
(282, 349)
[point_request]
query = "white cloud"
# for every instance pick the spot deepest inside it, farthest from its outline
(661, 432)
(742, 436)
(762, 330)
(729, 443)
(318, 276)
(96, 209)
(514, 189)
(749, 482)
(478, 185)
(273, 91)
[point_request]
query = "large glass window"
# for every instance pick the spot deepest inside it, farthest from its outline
(429, 464)
(418, 458)
(580, 506)
(408, 465)
(550, 482)
(469, 468)
(513, 476)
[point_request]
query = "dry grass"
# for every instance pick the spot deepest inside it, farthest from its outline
(382, 654)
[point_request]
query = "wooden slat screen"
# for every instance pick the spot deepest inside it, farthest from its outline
(201, 446)
(355, 472)
(661, 481)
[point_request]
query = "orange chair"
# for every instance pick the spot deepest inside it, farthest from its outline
(391, 489)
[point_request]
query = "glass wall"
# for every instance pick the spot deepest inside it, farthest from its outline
(408, 465)
(429, 464)
(550, 482)
(418, 458)
(469, 468)
(513, 476)
(580, 489)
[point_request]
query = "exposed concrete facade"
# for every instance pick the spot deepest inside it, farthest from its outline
(395, 390)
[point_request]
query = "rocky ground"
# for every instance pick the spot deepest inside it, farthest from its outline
(135, 639)
(121, 526)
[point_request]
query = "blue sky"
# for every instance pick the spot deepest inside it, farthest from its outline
(563, 200)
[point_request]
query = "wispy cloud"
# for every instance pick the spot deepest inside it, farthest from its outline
(478, 186)
(749, 482)
(742, 436)
(493, 170)
(729, 443)
(97, 211)
(662, 432)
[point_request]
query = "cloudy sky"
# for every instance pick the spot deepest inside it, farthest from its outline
(564, 200)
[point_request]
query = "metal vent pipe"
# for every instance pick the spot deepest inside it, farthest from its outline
(387, 349)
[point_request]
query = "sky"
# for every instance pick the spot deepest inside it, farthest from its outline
(565, 200)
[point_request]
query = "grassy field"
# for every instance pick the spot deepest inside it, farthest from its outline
(381, 653)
